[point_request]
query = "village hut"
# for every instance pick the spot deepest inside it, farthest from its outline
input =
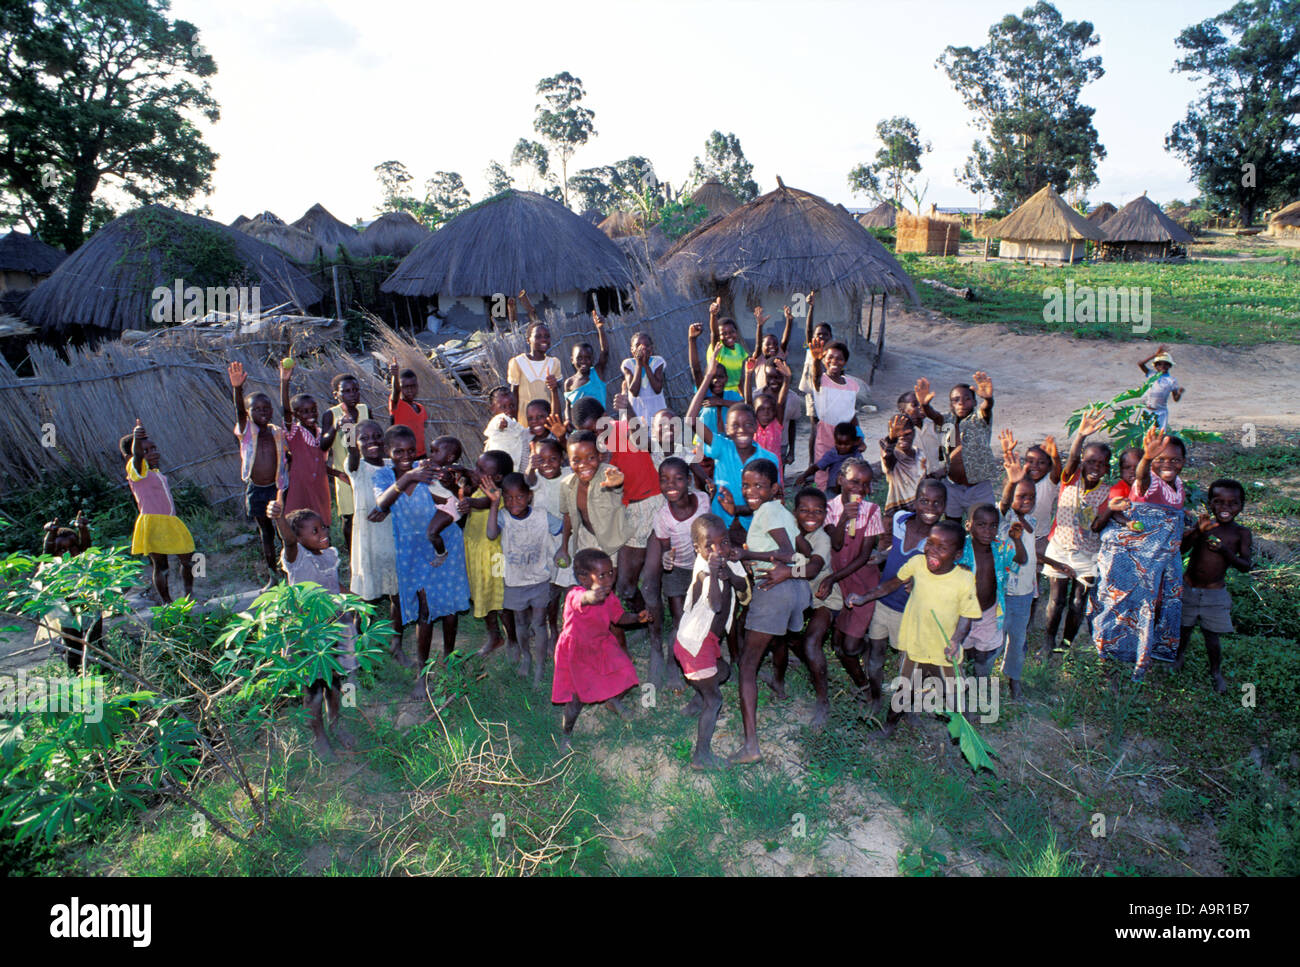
(240, 221)
(1285, 222)
(293, 242)
(621, 224)
(1045, 229)
(267, 217)
(393, 234)
(327, 230)
(882, 216)
(715, 198)
(511, 241)
(643, 251)
(593, 215)
(773, 250)
(929, 234)
(1140, 231)
(25, 261)
(115, 281)
(1102, 212)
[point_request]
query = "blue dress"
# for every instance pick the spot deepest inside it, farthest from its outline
(445, 587)
(593, 387)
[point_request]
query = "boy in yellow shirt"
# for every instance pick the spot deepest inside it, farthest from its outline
(940, 589)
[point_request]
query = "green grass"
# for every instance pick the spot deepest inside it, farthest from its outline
(1215, 303)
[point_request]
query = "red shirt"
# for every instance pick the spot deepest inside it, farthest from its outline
(413, 416)
(640, 478)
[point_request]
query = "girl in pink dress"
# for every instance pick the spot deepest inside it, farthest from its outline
(309, 474)
(769, 409)
(590, 666)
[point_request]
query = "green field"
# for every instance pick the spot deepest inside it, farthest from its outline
(1207, 302)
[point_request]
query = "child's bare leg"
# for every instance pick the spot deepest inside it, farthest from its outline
(187, 573)
(756, 645)
(1214, 652)
(815, 659)
(450, 625)
(654, 603)
(733, 638)
(314, 701)
(898, 707)
(423, 644)
(780, 662)
(334, 708)
(710, 692)
(347, 533)
(1058, 590)
(571, 712)
(1184, 638)
(541, 642)
(848, 650)
(520, 618)
(877, 649)
(553, 611)
(160, 577)
(1074, 616)
(395, 647)
(510, 628)
(495, 640)
(267, 531)
(672, 672)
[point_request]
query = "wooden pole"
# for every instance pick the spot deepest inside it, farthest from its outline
(338, 302)
(880, 339)
(871, 311)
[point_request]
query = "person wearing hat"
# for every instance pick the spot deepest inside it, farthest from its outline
(1156, 398)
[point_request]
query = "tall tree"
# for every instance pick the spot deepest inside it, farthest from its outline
(498, 178)
(97, 94)
(898, 162)
(724, 160)
(445, 193)
(562, 122)
(608, 187)
(533, 157)
(1024, 86)
(1241, 137)
(393, 180)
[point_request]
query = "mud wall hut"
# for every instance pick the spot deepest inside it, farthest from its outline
(1140, 231)
(1045, 229)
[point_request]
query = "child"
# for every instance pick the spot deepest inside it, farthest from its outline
(158, 531)
(778, 610)
(905, 466)
(835, 400)
(625, 443)
(593, 515)
(483, 553)
(308, 558)
(775, 380)
(590, 666)
(589, 378)
(670, 555)
(547, 482)
(402, 406)
(966, 447)
(815, 337)
(994, 562)
(525, 535)
(1119, 492)
(827, 466)
(926, 421)
(503, 432)
(373, 555)
(1156, 397)
(534, 375)
(767, 347)
(263, 465)
(336, 430)
(701, 621)
(726, 348)
(431, 586)
(1217, 542)
(644, 379)
(769, 410)
(939, 590)
(1070, 561)
(309, 473)
(72, 636)
(1017, 507)
(713, 410)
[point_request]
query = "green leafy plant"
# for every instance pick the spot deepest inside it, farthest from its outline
(978, 753)
(1128, 420)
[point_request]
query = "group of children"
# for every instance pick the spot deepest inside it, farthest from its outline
(590, 509)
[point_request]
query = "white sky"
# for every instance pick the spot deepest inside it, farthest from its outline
(315, 93)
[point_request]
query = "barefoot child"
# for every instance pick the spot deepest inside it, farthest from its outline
(1217, 542)
(670, 555)
(644, 378)
(533, 375)
(827, 466)
(994, 563)
(966, 447)
(590, 666)
(589, 376)
(547, 481)
(927, 422)
(1017, 508)
(158, 531)
(374, 556)
(725, 348)
(1163, 386)
(483, 554)
(835, 400)
(403, 409)
(262, 463)
(74, 628)
(904, 465)
(769, 410)
(714, 580)
(309, 472)
(593, 512)
(503, 432)
(336, 434)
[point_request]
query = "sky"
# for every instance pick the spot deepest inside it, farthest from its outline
(315, 93)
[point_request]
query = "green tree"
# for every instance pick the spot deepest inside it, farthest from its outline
(724, 160)
(446, 194)
(393, 180)
(607, 187)
(1241, 137)
(1024, 86)
(533, 156)
(498, 178)
(98, 94)
(562, 122)
(897, 162)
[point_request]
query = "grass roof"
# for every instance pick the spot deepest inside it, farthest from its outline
(392, 233)
(1045, 217)
(20, 252)
(883, 215)
(326, 229)
(1142, 221)
(716, 198)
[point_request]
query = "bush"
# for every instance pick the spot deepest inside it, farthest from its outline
(1267, 601)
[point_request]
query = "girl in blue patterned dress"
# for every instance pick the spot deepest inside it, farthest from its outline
(430, 586)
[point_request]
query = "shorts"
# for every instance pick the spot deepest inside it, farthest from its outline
(1084, 563)
(962, 498)
(640, 519)
(677, 582)
(527, 596)
(256, 497)
(885, 625)
(779, 609)
(1212, 607)
(984, 634)
(701, 666)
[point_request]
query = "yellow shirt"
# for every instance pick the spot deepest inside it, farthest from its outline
(949, 596)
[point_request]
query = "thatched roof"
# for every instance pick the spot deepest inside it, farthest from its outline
(1102, 212)
(514, 240)
(1287, 216)
(326, 229)
(392, 233)
(716, 198)
(108, 283)
(271, 218)
(1045, 217)
(621, 224)
(293, 242)
(593, 215)
(882, 216)
(642, 252)
(1141, 221)
(20, 252)
(788, 240)
(240, 221)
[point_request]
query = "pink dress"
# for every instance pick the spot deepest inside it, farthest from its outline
(853, 622)
(309, 483)
(589, 664)
(769, 438)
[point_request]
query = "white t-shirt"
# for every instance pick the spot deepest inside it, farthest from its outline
(697, 615)
(512, 440)
(646, 403)
(1024, 581)
(1157, 394)
(526, 547)
(835, 403)
(677, 533)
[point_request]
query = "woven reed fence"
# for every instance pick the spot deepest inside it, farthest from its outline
(927, 234)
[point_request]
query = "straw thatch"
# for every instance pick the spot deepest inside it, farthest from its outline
(514, 240)
(1142, 223)
(621, 224)
(240, 221)
(715, 197)
(1102, 212)
(20, 252)
(930, 234)
(108, 283)
(1045, 217)
(593, 215)
(270, 218)
(293, 242)
(883, 215)
(328, 231)
(643, 251)
(786, 241)
(392, 233)
(1286, 221)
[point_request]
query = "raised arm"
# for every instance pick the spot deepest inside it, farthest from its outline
(984, 389)
(715, 311)
(494, 507)
(1142, 365)
(1090, 424)
(784, 392)
(275, 511)
(286, 374)
(785, 333)
(760, 317)
(808, 319)
(692, 417)
(924, 398)
(527, 303)
(1054, 454)
(237, 378)
(395, 385)
(1015, 474)
(137, 447)
(693, 352)
(1153, 441)
(603, 357)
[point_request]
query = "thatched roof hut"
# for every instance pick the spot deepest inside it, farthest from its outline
(1046, 229)
(643, 251)
(293, 242)
(269, 217)
(328, 231)
(1102, 212)
(715, 197)
(593, 215)
(514, 240)
(25, 260)
(883, 215)
(621, 224)
(240, 221)
(1285, 222)
(392, 233)
(1140, 230)
(108, 284)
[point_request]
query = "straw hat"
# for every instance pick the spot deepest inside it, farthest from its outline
(1162, 358)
